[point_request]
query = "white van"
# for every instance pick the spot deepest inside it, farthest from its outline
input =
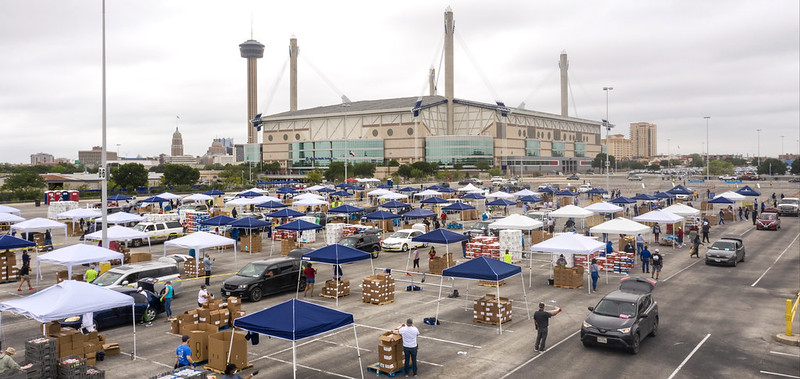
(128, 275)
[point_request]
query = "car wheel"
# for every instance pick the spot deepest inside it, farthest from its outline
(255, 294)
(149, 314)
(635, 345)
(734, 261)
(654, 332)
(137, 243)
(95, 326)
(302, 286)
(375, 251)
(405, 248)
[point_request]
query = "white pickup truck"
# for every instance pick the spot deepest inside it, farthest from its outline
(789, 206)
(159, 231)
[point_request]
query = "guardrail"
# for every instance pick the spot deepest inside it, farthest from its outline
(791, 311)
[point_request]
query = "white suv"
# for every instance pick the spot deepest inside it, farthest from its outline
(401, 240)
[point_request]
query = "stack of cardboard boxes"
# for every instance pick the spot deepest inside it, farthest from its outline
(584, 260)
(378, 289)
(8, 267)
(287, 245)
(140, 257)
(438, 264)
(568, 277)
(194, 269)
(218, 348)
(201, 323)
(390, 352)
(620, 262)
(483, 246)
(540, 236)
(490, 310)
(71, 342)
(250, 243)
(336, 288)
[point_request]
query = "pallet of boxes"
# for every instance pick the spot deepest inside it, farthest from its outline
(75, 352)
(568, 277)
(489, 310)
(335, 288)
(378, 289)
(192, 268)
(390, 352)
(139, 257)
(440, 263)
(8, 267)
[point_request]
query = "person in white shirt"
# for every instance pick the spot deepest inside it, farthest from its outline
(203, 296)
(409, 332)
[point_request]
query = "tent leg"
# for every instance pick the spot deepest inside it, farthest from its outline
(530, 270)
(133, 316)
(498, 303)
(525, 296)
(466, 299)
(297, 292)
(230, 347)
(358, 350)
(37, 269)
(294, 360)
(439, 299)
(588, 283)
(235, 257)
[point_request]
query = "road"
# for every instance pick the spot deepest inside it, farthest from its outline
(715, 321)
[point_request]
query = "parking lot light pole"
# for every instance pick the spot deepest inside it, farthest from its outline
(708, 158)
(607, 124)
(758, 148)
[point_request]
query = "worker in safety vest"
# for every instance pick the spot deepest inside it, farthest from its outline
(507, 257)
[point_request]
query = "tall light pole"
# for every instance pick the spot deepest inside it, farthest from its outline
(708, 158)
(669, 161)
(758, 148)
(608, 136)
(779, 155)
(104, 160)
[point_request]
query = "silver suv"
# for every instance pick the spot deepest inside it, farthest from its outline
(129, 275)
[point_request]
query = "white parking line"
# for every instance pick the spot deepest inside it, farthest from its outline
(682, 270)
(786, 354)
(778, 374)
(776, 261)
(539, 355)
(139, 357)
(689, 356)
(312, 368)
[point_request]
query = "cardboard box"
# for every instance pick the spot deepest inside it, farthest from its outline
(111, 349)
(198, 341)
(218, 344)
(175, 327)
(204, 315)
(215, 318)
(52, 328)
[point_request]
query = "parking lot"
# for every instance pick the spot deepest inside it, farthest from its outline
(715, 321)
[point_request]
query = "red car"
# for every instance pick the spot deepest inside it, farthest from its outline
(768, 220)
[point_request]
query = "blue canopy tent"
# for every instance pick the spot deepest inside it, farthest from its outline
(394, 204)
(326, 190)
(298, 226)
(155, 199)
(341, 185)
(434, 187)
(249, 194)
(272, 204)
(501, 202)
(721, 200)
(644, 197)
(118, 198)
(596, 191)
(566, 193)
(747, 191)
(408, 189)
(546, 190)
(680, 190)
(294, 320)
(341, 194)
(473, 196)
(622, 200)
(335, 255)
(218, 221)
(459, 206)
(250, 223)
(483, 268)
(418, 213)
(439, 236)
(529, 199)
(381, 215)
(214, 192)
(9, 242)
(285, 213)
(664, 195)
(383, 186)
(447, 190)
(345, 209)
(286, 190)
(434, 200)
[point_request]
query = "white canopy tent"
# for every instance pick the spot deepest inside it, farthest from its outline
(378, 192)
(8, 218)
(731, 196)
(516, 221)
(70, 298)
(393, 196)
(571, 211)
(315, 187)
(256, 189)
(308, 196)
(202, 240)
(659, 216)
(309, 202)
(682, 210)
(568, 244)
(620, 225)
(7, 209)
(119, 233)
(524, 192)
(169, 196)
(603, 207)
(468, 187)
(197, 197)
(39, 224)
(77, 255)
(241, 201)
(79, 213)
(122, 218)
(427, 193)
(500, 195)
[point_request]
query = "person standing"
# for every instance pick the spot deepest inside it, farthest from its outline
(645, 256)
(629, 249)
(25, 275)
(183, 354)
(541, 320)
(337, 272)
(639, 243)
(755, 215)
(741, 212)
(706, 229)
(609, 248)
(409, 332)
(310, 274)
(416, 260)
(26, 258)
(594, 271)
(507, 257)
(91, 274)
(208, 262)
(432, 253)
(695, 250)
(656, 231)
(721, 218)
(169, 292)
(7, 364)
(551, 225)
(658, 262)
(203, 296)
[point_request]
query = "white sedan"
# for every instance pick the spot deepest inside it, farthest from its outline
(401, 240)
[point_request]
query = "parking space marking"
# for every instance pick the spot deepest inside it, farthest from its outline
(779, 374)
(316, 340)
(682, 270)
(311, 368)
(425, 337)
(139, 357)
(539, 355)
(786, 354)
(776, 260)
(689, 356)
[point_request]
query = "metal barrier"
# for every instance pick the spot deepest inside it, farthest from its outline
(791, 311)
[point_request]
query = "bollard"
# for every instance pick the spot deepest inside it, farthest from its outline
(788, 317)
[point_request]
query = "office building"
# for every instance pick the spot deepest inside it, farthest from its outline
(644, 140)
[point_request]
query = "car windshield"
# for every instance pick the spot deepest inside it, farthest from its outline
(349, 242)
(252, 270)
(139, 227)
(615, 308)
(767, 216)
(724, 245)
(401, 235)
(107, 278)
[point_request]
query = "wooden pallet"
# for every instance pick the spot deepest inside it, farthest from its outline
(568, 287)
(209, 368)
(332, 296)
(381, 303)
(375, 367)
(487, 283)
(491, 322)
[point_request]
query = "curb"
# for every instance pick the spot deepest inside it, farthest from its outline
(793, 340)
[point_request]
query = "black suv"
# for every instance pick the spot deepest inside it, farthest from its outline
(267, 277)
(368, 242)
(624, 317)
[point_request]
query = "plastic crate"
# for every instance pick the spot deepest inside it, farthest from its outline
(95, 373)
(72, 367)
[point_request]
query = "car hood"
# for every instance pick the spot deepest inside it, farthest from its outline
(395, 240)
(609, 322)
(237, 280)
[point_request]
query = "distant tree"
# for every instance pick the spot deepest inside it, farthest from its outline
(423, 166)
(404, 171)
(234, 174)
(675, 162)
(158, 168)
(495, 172)
(772, 166)
(314, 177)
(417, 173)
(796, 166)
(737, 162)
(393, 163)
(177, 174)
(599, 161)
(663, 163)
(721, 167)
(272, 167)
(335, 172)
(364, 169)
(482, 165)
(654, 167)
(697, 161)
(24, 180)
(129, 176)
(458, 166)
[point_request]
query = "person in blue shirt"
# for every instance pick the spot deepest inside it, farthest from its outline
(645, 255)
(167, 299)
(609, 247)
(183, 354)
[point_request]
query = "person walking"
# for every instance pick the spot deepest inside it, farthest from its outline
(25, 275)
(169, 292)
(741, 212)
(645, 256)
(639, 243)
(183, 354)
(203, 296)
(416, 260)
(594, 271)
(656, 231)
(208, 263)
(706, 229)
(409, 332)
(695, 250)
(91, 274)
(26, 258)
(310, 274)
(541, 320)
(721, 218)
(658, 262)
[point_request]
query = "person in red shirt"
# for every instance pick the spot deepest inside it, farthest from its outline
(432, 252)
(310, 273)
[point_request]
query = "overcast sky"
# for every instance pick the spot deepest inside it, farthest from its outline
(670, 63)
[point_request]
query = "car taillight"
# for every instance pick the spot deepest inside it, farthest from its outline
(179, 277)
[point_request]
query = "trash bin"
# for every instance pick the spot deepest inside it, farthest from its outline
(37, 202)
